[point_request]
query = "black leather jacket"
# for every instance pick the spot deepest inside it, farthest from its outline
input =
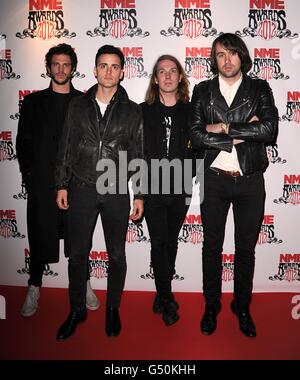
(253, 98)
(88, 137)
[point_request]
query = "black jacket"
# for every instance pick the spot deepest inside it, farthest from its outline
(253, 98)
(37, 141)
(88, 137)
(155, 135)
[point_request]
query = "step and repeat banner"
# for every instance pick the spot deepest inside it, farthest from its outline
(144, 30)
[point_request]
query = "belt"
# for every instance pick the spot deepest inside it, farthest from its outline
(230, 173)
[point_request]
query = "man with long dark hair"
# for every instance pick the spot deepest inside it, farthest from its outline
(165, 114)
(232, 118)
(39, 130)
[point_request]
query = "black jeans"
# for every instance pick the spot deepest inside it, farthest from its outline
(247, 196)
(85, 204)
(164, 215)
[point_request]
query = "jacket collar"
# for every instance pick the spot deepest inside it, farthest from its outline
(241, 95)
(120, 94)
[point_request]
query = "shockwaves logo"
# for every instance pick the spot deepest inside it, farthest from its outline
(267, 19)
(134, 63)
(192, 19)
(6, 146)
(45, 20)
(292, 107)
(25, 270)
(266, 64)
(197, 63)
(21, 95)
(267, 231)
(273, 155)
(150, 275)
(288, 268)
(6, 68)
(291, 190)
(98, 264)
(8, 225)
(118, 19)
(135, 233)
(22, 194)
(192, 230)
(227, 267)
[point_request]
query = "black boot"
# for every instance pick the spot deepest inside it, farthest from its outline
(158, 303)
(246, 323)
(113, 322)
(69, 326)
(209, 320)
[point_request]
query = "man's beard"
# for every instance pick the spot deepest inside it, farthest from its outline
(61, 82)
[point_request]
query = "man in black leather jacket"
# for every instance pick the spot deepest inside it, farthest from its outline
(98, 126)
(232, 118)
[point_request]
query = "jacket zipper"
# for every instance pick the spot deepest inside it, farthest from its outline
(105, 128)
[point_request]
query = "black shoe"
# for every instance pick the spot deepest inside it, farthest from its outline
(69, 326)
(246, 323)
(113, 322)
(169, 312)
(208, 323)
(158, 304)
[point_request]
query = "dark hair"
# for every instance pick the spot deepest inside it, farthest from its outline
(183, 86)
(110, 49)
(61, 49)
(233, 43)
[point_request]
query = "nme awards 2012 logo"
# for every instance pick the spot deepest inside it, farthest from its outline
(6, 68)
(197, 62)
(273, 155)
(118, 19)
(25, 270)
(135, 233)
(291, 190)
(98, 264)
(21, 95)
(266, 64)
(192, 19)
(292, 107)
(227, 267)
(288, 268)
(267, 19)
(45, 20)
(191, 230)
(267, 231)
(6, 146)
(8, 225)
(134, 62)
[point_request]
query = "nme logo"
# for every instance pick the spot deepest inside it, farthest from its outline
(45, 20)
(296, 309)
(291, 190)
(267, 20)
(292, 112)
(191, 19)
(197, 63)
(2, 308)
(266, 64)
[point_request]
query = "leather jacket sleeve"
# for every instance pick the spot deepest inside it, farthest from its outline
(63, 170)
(266, 128)
(200, 138)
